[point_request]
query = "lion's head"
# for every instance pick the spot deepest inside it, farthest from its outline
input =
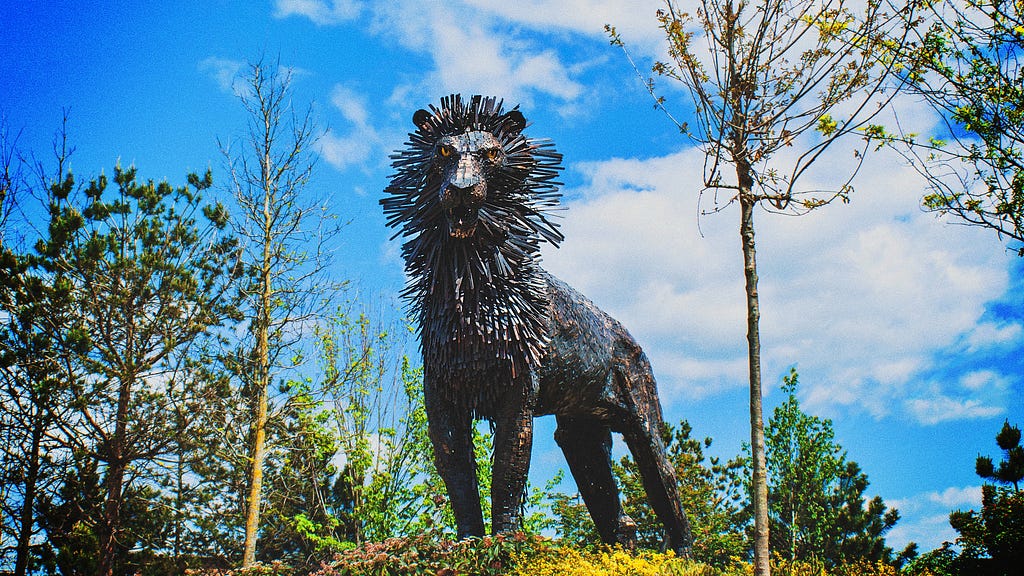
(464, 163)
(470, 163)
(472, 197)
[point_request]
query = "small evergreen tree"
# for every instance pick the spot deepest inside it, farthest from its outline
(816, 499)
(147, 269)
(992, 540)
(1011, 468)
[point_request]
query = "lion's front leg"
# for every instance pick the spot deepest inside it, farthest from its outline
(451, 433)
(513, 441)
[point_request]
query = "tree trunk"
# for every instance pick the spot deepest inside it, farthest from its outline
(28, 502)
(759, 480)
(114, 482)
(252, 516)
(179, 498)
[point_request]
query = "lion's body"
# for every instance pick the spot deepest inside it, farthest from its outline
(504, 340)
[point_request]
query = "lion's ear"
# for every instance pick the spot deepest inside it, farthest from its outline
(514, 122)
(421, 118)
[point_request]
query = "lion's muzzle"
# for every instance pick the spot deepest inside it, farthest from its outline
(463, 191)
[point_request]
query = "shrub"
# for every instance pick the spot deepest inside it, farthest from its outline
(258, 569)
(520, 554)
(428, 554)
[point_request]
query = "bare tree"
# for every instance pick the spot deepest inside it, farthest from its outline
(764, 76)
(285, 235)
(10, 176)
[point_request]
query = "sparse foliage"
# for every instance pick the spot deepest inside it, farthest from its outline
(764, 77)
(284, 235)
(965, 64)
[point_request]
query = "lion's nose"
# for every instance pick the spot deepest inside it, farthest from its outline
(466, 176)
(465, 186)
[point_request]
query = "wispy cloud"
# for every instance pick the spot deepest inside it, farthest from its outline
(992, 334)
(967, 497)
(475, 52)
(224, 71)
(320, 12)
(474, 49)
(977, 394)
(924, 517)
(635, 20)
(360, 141)
(941, 408)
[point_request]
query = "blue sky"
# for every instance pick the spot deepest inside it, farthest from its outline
(907, 330)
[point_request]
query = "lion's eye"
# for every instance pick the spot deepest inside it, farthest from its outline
(492, 154)
(445, 151)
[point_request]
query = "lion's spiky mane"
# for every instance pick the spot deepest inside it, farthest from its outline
(481, 301)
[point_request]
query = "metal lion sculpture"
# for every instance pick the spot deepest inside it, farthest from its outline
(505, 341)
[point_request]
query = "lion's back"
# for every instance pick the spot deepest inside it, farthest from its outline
(586, 345)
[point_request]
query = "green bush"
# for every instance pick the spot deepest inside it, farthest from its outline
(428, 554)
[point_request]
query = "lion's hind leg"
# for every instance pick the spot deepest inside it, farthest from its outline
(587, 445)
(641, 428)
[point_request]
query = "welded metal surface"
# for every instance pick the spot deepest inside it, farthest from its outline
(502, 339)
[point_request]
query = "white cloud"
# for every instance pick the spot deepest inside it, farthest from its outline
(863, 296)
(475, 51)
(479, 46)
(320, 12)
(475, 56)
(223, 70)
(927, 531)
(992, 334)
(635, 20)
(360, 142)
(941, 408)
(977, 394)
(967, 497)
(924, 517)
(983, 380)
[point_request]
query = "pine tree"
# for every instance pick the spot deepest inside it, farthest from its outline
(816, 496)
(147, 267)
(992, 540)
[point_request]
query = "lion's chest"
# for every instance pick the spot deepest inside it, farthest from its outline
(578, 347)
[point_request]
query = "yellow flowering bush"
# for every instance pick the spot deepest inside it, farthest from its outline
(568, 561)
(804, 568)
